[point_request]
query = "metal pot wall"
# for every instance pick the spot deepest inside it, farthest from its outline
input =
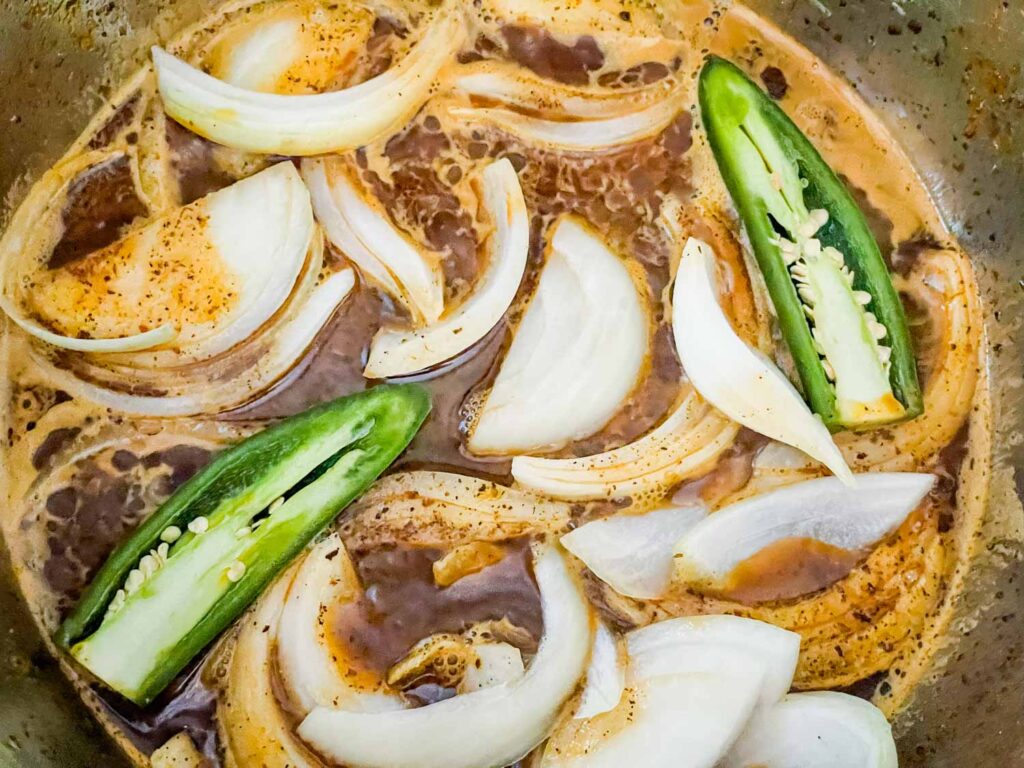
(945, 75)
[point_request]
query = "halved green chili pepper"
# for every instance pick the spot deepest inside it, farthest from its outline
(838, 311)
(195, 565)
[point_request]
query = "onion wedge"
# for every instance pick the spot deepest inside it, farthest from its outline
(692, 644)
(442, 509)
(686, 444)
(822, 729)
(307, 124)
(493, 726)
(576, 355)
(606, 676)
(309, 664)
(361, 228)
(397, 352)
(738, 380)
(577, 135)
(519, 88)
(823, 509)
(633, 553)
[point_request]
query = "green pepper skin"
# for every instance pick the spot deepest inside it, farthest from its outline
(726, 97)
(344, 445)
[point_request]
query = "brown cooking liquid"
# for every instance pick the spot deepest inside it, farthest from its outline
(618, 192)
(788, 568)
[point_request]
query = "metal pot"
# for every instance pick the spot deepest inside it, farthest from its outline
(946, 78)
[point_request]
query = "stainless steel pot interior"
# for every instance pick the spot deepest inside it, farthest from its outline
(945, 76)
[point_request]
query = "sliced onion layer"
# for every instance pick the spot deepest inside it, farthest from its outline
(738, 380)
(307, 124)
(489, 727)
(824, 509)
(360, 227)
(633, 553)
(823, 729)
(514, 86)
(432, 509)
(576, 354)
(578, 135)
(397, 352)
(686, 444)
(693, 644)
(606, 676)
(309, 664)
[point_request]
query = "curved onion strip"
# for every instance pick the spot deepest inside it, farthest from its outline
(287, 344)
(309, 666)
(687, 444)
(493, 726)
(576, 354)
(633, 553)
(736, 379)
(508, 83)
(606, 676)
(399, 352)
(823, 729)
(425, 509)
(362, 229)
(35, 228)
(253, 726)
(307, 124)
(825, 509)
(678, 645)
(577, 135)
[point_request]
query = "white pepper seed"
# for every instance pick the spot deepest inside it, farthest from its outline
(275, 505)
(236, 571)
(199, 525)
(170, 534)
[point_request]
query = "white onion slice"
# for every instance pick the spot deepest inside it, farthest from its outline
(577, 135)
(822, 729)
(633, 553)
(493, 726)
(606, 676)
(686, 444)
(442, 509)
(738, 380)
(34, 230)
(289, 341)
(309, 666)
(362, 229)
(823, 509)
(576, 355)
(307, 124)
(508, 83)
(694, 644)
(396, 352)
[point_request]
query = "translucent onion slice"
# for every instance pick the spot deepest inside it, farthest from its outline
(633, 553)
(576, 354)
(686, 444)
(218, 269)
(432, 509)
(695, 644)
(286, 344)
(823, 729)
(397, 352)
(517, 87)
(309, 664)
(578, 135)
(493, 726)
(606, 676)
(307, 124)
(360, 227)
(824, 509)
(738, 380)
(33, 231)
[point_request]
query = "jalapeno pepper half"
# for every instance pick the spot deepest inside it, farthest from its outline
(195, 565)
(837, 308)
